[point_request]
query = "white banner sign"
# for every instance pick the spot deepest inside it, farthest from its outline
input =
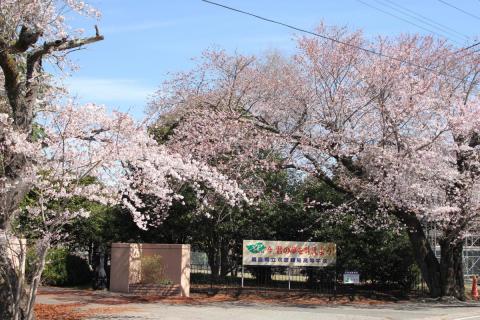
(288, 253)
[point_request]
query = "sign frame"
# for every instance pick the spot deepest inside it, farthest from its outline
(288, 253)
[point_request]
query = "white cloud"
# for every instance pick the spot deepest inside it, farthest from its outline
(141, 26)
(109, 90)
(268, 39)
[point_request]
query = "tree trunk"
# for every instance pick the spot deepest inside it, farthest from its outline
(224, 261)
(37, 276)
(451, 269)
(426, 261)
(213, 262)
(423, 252)
(444, 278)
(13, 294)
(9, 308)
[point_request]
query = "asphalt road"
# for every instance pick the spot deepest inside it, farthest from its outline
(117, 306)
(235, 311)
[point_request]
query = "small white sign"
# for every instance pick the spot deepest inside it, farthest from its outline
(352, 277)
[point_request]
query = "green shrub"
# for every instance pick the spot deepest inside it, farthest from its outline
(78, 271)
(65, 269)
(29, 263)
(55, 272)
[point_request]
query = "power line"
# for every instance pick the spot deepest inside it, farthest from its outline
(423, 18)
(427, 20)
(402, 19)
(333, 40)
(469, 47)
(459, 9)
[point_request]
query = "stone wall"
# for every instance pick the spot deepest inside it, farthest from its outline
(16, 248)
(126, 266)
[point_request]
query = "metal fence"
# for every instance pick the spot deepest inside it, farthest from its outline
(324, 281)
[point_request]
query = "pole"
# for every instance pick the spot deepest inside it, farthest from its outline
(242, 274)
(335, 283)
(288, 277)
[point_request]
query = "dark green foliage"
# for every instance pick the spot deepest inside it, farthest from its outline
(262, 274)
(65, 269)
(104, 226)
(31, 227)
(380, 257)
(164, 130)
(78, 271)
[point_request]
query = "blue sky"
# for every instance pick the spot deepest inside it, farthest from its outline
(147, 39)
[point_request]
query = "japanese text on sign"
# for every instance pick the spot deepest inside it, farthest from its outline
(289, 253)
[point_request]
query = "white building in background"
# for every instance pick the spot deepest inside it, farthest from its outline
(471, 248)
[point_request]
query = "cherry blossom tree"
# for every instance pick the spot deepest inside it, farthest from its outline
(401, 133)
(49, 147)
(403, 136)
(31, 34)
(223, 86)
(80, 142)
